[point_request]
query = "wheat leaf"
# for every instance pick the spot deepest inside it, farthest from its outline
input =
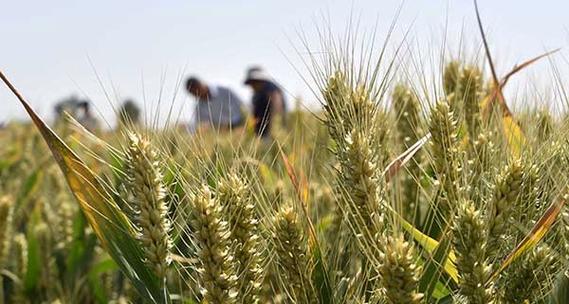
(537, 233)
(399, 162)
(107, 220)
(430, 245)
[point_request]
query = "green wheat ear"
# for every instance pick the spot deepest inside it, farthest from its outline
(337, 109)
(545, 126)
(217, 272)
(469, 90)
(20, 256)
(359, 171)
(292, 257)
(6, 216)
(482, 151)
(469, 240)
(235, 196)
(151, 221)
(445, 154)
(48, 263)
(399, 272)
(355, 123)
(505, 194)
(407, 108)
(450, 77)
(348, 107)
(528, 277)
(65, 217)
(481, 155)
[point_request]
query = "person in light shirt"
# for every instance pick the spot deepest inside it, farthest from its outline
(217, 107)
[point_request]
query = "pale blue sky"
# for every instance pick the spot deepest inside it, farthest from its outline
(48, 46)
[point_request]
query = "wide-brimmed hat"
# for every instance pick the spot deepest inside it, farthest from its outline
(256, 73)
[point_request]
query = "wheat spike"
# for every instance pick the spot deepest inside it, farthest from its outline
(218, 275)
(149, 205)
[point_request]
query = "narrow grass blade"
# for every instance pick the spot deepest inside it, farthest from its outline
(81, 250)
(33, 274)
(399, 162)
(495, 93)
(430, 245)
(537, 233)
(512, 129)
(525, 64)
(440, 255)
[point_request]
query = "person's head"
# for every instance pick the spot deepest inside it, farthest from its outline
(256, 78)
(85, 107)
(129, 112)
(197, 88)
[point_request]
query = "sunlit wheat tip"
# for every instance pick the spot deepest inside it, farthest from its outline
(218, 272)
(6, 217)
(399, 272)
(146, 184)
(469, 240)
(505, 194)
(291, 249)
(445, 153)
(235, 196)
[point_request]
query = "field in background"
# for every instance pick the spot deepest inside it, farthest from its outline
(395, 192)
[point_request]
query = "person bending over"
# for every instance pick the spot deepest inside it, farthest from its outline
(217, 107)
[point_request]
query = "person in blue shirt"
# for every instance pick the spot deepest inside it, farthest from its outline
(217, 107)
(268, 100)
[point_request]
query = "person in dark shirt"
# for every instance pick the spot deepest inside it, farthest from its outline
(129, 113)
(268, 100)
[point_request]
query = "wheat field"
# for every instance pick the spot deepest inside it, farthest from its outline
(392, 192)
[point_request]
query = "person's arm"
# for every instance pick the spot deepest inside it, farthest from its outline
(278, 106)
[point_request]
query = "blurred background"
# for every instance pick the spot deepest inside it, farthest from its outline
(108, 51)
